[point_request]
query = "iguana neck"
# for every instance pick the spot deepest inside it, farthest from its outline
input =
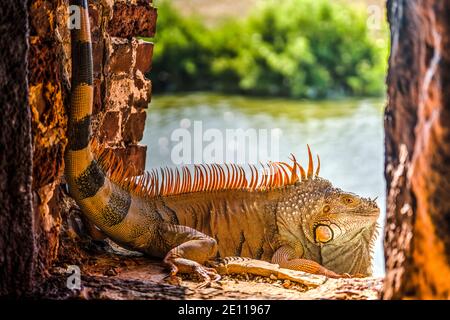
(353, 255)
(295, 214)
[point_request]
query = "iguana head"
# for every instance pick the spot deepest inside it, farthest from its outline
(340, 225)
(344, 226)
(329, 224)
(338, 217)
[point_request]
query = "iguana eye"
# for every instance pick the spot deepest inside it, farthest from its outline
(326, 209)
(349, 200)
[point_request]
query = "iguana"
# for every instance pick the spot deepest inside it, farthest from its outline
(286, 215)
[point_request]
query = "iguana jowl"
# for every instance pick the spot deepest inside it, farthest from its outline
(289, 216)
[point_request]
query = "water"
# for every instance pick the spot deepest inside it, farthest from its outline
(347, 134)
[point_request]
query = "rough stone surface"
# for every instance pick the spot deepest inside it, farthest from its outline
(144, 50)
(99, 99)
(121, 58)
(134, 156)
(125, 275)
(134, 127)
(417, 122)
(110, 126)
(16, 212)
(48, 96)
(143, 24)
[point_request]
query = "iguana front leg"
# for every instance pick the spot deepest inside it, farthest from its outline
(285, 257)
(191, 249)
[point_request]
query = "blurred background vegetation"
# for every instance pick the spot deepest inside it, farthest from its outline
(291, 48)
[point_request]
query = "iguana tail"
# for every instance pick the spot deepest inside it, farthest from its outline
(101, 200)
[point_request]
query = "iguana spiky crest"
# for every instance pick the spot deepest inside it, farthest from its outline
(205, 177)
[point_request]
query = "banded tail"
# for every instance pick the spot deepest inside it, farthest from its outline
(101, 201)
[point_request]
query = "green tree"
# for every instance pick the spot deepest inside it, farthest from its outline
(293, 48)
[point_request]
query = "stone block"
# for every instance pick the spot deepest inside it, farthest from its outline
(110, 126)
(144, 54)
(134, 127)
(94, 18)
(130, 19)
(119, 94)
(98, 57)
(120, 61)
(143, 93)
(134, 156)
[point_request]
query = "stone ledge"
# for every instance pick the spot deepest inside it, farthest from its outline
(127, 276)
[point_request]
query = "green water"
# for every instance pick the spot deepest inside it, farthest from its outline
(347, 134)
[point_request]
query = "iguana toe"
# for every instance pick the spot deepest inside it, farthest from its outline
(208, 276)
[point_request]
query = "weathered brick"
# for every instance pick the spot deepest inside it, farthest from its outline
(94, 18)
(97, 56)
(134, 127)
(41, 18)
(134, 156)
(143, 93)
(110, 126)
(121, 57)
(144, 53)
(119, 94)
(133, 19)
(98, 96)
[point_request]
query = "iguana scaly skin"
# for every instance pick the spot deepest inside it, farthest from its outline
(287, 215)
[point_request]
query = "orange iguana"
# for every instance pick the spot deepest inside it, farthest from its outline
(288, 216)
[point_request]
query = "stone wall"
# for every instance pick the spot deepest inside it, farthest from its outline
(16, 216)
(417, 122)
(121, 96)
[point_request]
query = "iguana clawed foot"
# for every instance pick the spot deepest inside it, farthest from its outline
(206, 275)
(209, 275)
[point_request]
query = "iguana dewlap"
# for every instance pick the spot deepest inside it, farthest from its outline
(285, 215)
